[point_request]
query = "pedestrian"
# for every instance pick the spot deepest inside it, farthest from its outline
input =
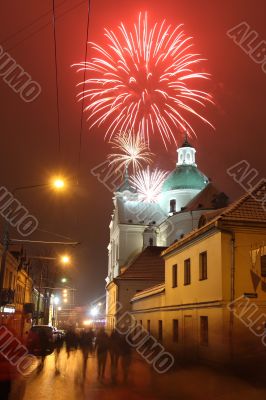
(126, 357)
(71, 341)
(59, 342)
(85, 344)
(44, 345)
(114, 348)
(101, 345)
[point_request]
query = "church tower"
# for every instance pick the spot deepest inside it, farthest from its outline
(184, 182)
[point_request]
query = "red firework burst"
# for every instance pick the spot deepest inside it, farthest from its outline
(142, 81)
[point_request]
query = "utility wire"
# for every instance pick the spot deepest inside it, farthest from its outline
(83, 88)
(45, 25)
(25, 27)
(56, 82)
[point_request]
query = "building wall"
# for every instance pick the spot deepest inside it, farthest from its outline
(176, 226)
(111, 305)
(199, 290)
(229, 335)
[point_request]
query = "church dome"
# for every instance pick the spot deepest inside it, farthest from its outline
(185, 177)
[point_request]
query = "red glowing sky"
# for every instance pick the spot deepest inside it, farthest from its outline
(29, 132)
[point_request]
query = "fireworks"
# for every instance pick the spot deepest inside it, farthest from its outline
(142, 80)
(148, 183)
(132, 151)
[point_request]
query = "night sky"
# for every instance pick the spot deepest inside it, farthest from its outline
(29, 136)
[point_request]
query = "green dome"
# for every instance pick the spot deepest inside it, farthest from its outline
(185, 177)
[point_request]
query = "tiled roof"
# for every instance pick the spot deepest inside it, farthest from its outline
(246, 209)
(209, 198)
(249, 207)
(148, 265)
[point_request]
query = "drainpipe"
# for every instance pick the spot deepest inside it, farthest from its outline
(232, 289)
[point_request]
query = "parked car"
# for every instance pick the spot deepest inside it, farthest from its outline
(41, 340)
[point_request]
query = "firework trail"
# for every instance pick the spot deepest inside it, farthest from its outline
(143, 80)
(148, 183)
(131, 150)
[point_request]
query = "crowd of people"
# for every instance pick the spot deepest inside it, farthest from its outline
(99, 344)
(93, 343)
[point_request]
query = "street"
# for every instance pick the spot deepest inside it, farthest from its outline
(191, 383)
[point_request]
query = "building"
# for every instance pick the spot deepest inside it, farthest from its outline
(135, 225)
(212, 304)
(145, 270)
(16, 295)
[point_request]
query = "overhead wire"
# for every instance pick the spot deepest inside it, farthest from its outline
(83, 88)
(56, 82)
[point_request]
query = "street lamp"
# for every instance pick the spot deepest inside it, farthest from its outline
(94, 312)
(65, 259)
(58, 184)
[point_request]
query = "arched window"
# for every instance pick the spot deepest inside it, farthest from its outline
(172, 205)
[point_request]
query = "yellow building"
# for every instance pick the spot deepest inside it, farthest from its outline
(145, 270)
(212, 305)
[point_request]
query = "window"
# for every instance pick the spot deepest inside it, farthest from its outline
(172, 206)
(175, 330)
(187, 273)
(203, 266)
(160, 330)
(263, 266)
(204, 331)
(149, 325)
(140, 321)
(174, 275)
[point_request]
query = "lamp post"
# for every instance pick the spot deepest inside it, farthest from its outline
(58, 184)
(40, 287)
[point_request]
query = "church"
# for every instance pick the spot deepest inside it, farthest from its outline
(140, 231)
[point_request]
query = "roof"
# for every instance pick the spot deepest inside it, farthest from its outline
(148, 265)
(185, 177)
(186, 142)
(247, 209)
(150, 291)
(209, 198)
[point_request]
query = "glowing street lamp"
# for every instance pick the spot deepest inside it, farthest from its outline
(55, 300)
(65, 259)
(64, 280)
(58, 183)
(94, 312)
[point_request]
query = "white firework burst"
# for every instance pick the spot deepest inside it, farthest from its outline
(149, 183)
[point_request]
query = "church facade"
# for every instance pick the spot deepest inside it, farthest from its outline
(136, 225)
